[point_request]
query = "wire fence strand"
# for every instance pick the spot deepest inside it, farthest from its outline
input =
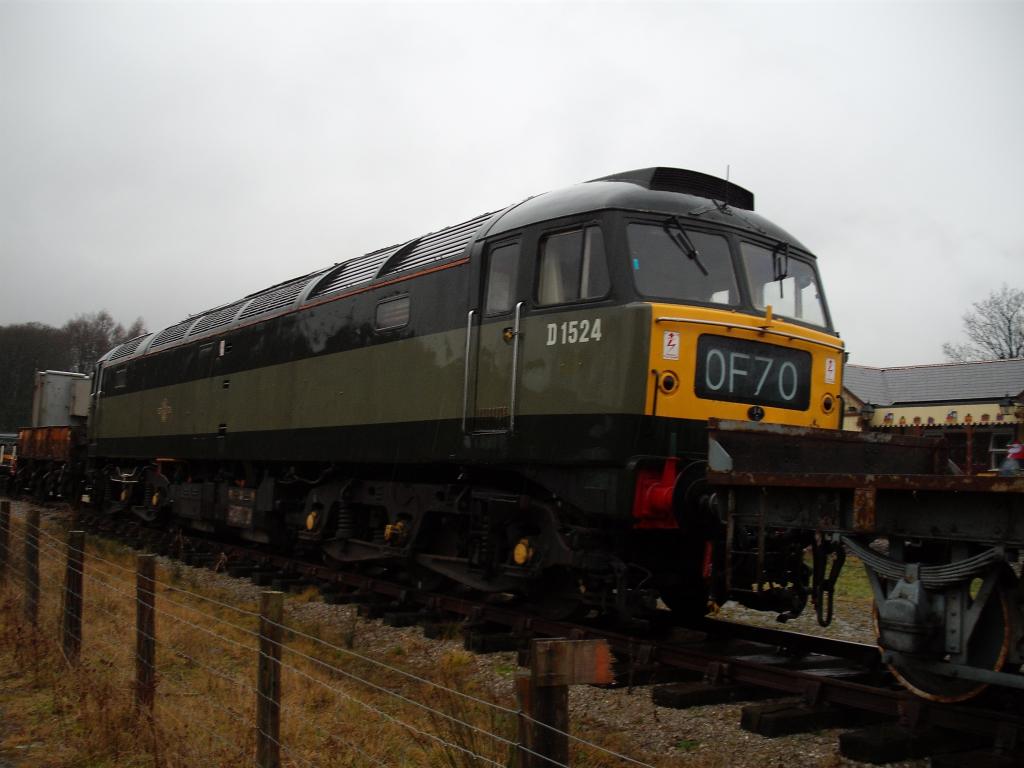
(56, 548)
(389, 717)
(209, 732)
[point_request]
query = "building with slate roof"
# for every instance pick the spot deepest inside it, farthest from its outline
(977, 407)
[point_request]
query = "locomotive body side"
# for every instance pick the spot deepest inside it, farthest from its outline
(317, 384)
(502, 416)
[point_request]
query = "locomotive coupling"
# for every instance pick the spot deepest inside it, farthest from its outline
(653, 500)
(659, 495)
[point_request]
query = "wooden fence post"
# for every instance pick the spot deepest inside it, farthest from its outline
(268, 696)
(5, 537)
(32, 566)
(544, 695)
(524, 692)
(72, 615)
(145, 631)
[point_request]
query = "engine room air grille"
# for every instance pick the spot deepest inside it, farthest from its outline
(688, 183)
(217, 318)
(349, 273)
(274, 298)
(127, 348)
(444, 244)
(172, 334)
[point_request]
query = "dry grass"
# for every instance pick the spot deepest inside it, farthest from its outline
(853, 586)
(336, 710)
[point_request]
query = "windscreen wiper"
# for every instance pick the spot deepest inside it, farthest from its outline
(682, 241)
(725, 209)
(780, 264)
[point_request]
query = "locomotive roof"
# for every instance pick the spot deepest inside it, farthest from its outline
(670, 191)
(689, 195)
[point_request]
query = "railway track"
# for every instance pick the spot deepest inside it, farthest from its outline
(810, 682)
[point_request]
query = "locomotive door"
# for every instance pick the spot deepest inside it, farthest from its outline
(96, 412)
(490, 393)
(202, 391)
(218, 391)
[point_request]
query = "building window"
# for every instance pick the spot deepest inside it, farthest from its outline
(997, 448)
(956, 442)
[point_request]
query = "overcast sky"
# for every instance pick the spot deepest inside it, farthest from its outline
(161, 159)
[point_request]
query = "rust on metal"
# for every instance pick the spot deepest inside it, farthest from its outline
(945, 483)
(864, 509)
(571, 662)
(779, 455)
(52, 443)
(833, 436)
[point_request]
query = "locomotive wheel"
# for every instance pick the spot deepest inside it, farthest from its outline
(988, 649)
(688, 602)
(558, 597)
(427, 580)
(685, 591)
(558, 607)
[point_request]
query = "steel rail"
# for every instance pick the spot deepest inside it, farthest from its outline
(886, 699)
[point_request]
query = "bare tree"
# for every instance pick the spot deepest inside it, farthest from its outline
(995, 328)
(30, 347)
(89, 336)
(25, 349)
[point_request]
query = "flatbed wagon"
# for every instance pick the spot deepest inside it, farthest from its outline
(941, 549)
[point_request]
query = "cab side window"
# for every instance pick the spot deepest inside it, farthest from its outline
(502, 268)
(572, 267)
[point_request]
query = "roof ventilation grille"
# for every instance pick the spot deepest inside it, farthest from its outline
(128, 347)
(437, 246)
(218, 318)
(274, 298)
(172, 334)
(358, 270)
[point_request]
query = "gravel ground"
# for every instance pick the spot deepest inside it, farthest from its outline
(700, 736)
(850, 622)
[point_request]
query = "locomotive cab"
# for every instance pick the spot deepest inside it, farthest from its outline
(608, 323)
(740, 327)
(635, 296)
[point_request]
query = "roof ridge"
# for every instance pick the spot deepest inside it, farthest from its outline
(937, 382)
(883, 369)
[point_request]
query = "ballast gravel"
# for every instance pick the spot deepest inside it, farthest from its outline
(707, 736)
(703, 737)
